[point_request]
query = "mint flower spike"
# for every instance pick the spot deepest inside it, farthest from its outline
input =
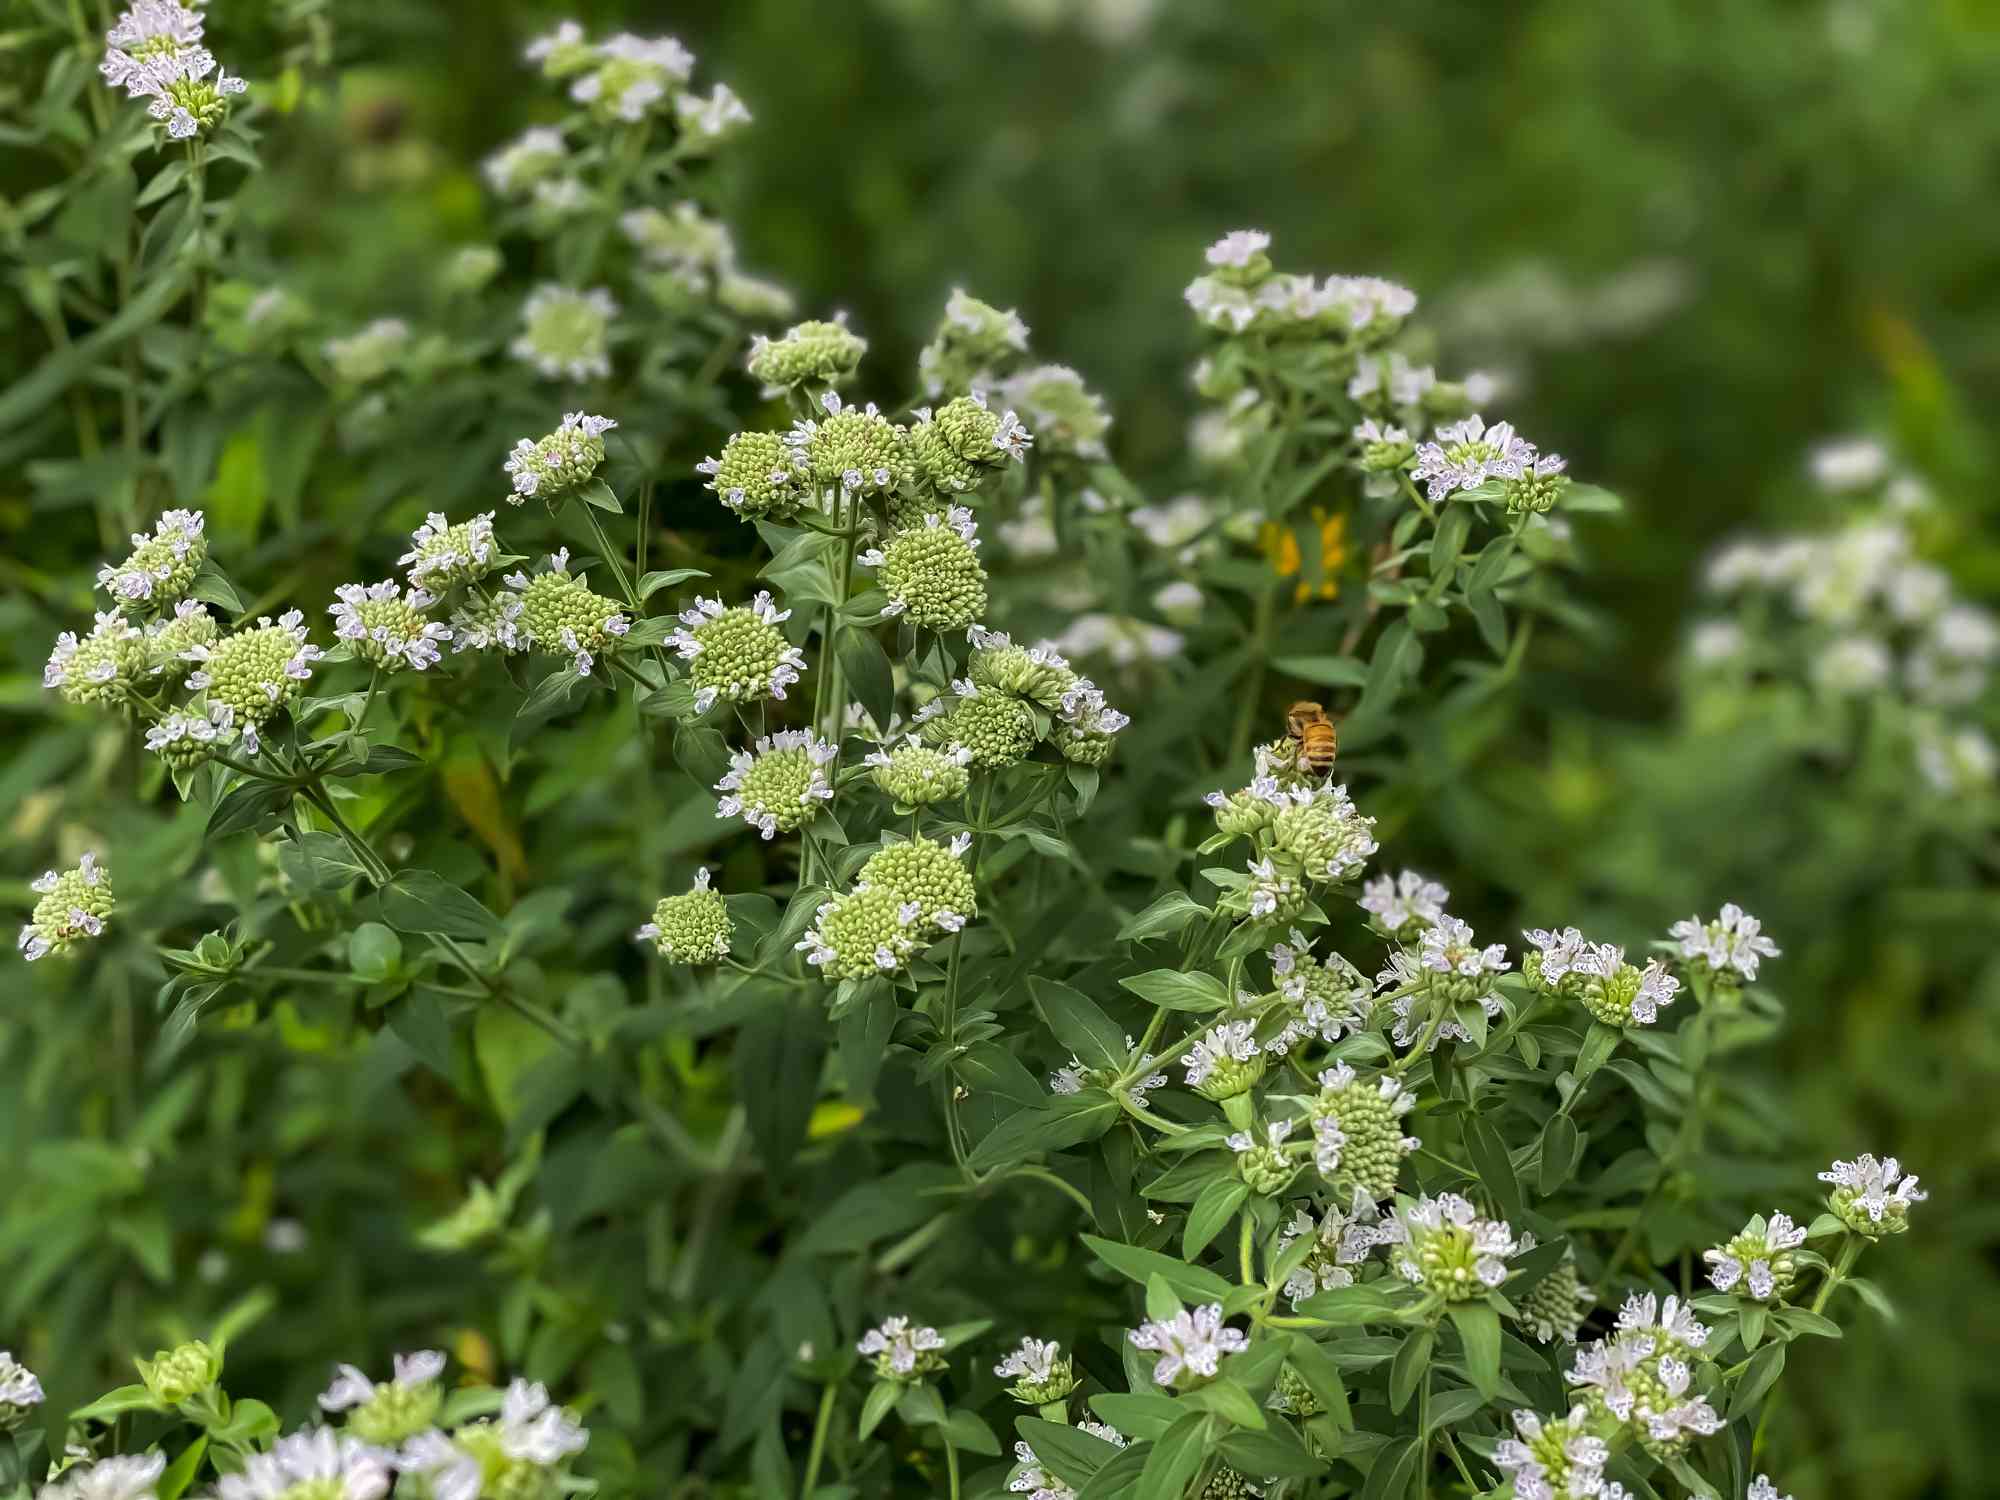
(442, 555)
(1761, 1488)
(163, 565)
(514, 1454)
(1730, 948)
(1041, 1372)
(398, 1408)
(1597, 977)
(902, 1351)
(526, 160)
(559, 463)
(565, 333)
(387, 625)
(1190, 1344)
(1756, 1263)
(316, 1463)
(776, 787)
(915, 775)
(816, 352)
(73, 905)
(692, 927)
(736, 654)
(99, 667)
(20, 1392)
(132, 1476)
(932, 572)
(154, 52)
(1872, 1197)
(1401, 905)
(1448, 1248)
(1640, 1375)
(1557, 1458)
(1342, 1239)
(559, 613)
(634, 75)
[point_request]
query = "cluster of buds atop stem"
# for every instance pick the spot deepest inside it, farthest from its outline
(1596, 976)
(154, 52)
(70, 905)
(1040, 1372)
(1190, 1344)
(902, 1351)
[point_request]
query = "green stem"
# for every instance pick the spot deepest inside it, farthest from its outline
(1245, 1256)
(951, 1465)
(373, 865)
(1850, 1251)
(818, 1450)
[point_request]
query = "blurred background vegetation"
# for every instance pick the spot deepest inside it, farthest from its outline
(1690, 240)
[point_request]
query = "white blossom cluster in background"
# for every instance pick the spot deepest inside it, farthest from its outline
(1859, 614)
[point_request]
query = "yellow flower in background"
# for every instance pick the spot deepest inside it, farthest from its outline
(1281, 545)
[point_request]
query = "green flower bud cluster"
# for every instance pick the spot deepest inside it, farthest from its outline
(559, 463)
(1757, 1263)
(1323, 833)
(1555, 1307)
(175, 1375)
(20, 1392)
(1358, 1139)
(161, 566)
(1539, 489)
(1596, 976)
(930, 874)
(1227, 1484)
(735, 655)
(777, 787)
(932, 573)
(1293, 1396)
(1444, 1246)
(516, 1455)
(559, 613)
(1067, 417)
(1041, 1373)
(100, 667)
(955, 449)
(388, 627)
(997, 729)
(974, 340)
(70, 905)
(1037, 673)
(1559, 1458)
(443, 556)
(854, 447)
(258, 670)
(691, 928)
(566, 333)
(393, 1411)
(187, 740)
(631, 76)
(863, 933)
(687, 240)
(1872, 1197)
(375, 351)
(1225, 1061)
(171, 638)
(818, 352)
(760, 476)
(1385, 447)
(1264, 1165)
(915, 775)
(469, 270)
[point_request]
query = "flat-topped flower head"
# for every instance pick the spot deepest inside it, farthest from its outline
(258, 669)
(1466, 454)
(1555, 1458)
(995, 727)
(1086, 724)
(370, 353)
(1401, 906)
(169, 638)
(1730, 948)
(161, 566)
(932, 573)
(692, 927)
(1068, 418)
(1329, 996)
(1225, 1061)
(101, 667)
(188, 739)
(685, 241)
(174, 1375)
(864, 933)
(1262, 1161)
(561, 462)
(1871, 1197)
(388, 625)
(738, 654)
(974, 341)
(1555, 1307)
(634, 76)
(559, 614)
(1190, 1344)
(902, 1350)
(488, 623)
(566, 333)
(1445, 1246)
(398, 1408)
(316, 1463)
(778, 786)
(760, 476)
(1342, 1239)
(962, 442)
(914, 774)
(1449, 948)
(1641, 1374)
(1039, 1370)
(517, 1455)
(170, 69)
(1321, 831)
(128, 1476)
(1039, 673)
(815, 352)
(1241, 253)
(1597, 977)
(21, 1392)
(530, 158)
(1358, 1139)
(1539, 487)
(443, 556)
(930, 874)
(561, 53)
(1757, 1263)
(854, 448)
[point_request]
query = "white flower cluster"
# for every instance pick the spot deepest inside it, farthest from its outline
(1190, 1344)
(1467, 453)
(901, 1348)
(1342, 1239)
(1731, 947)
(1642, 1373)
(154, 52)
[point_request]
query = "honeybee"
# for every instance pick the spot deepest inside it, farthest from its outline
(1312, 731)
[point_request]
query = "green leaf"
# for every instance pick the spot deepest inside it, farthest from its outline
(1765, 1366)
(47, 382)
(1479, 1331)
(863, 1038)
(374, 952)
(1495, 1168)
(1322, 1377)
(1213, 1210)
(319, 863)
(596, 492)
(1191, 1282)
(179, 1474)
(1453, 528)
(1229, 1401)
(1598, 1044)
(247, 805)
(545, 700)
(1091, 1036)
(1394, 1467)
(1066, 1120)
(1558, 1151)
(1167, 914)
(1349, 1306)
(1070, 1452)
(1326, 671)
(653, 582)
(212, 586)
(1175, 1459)
(1413, 1358)
(880, 1401)
(778, 1056)
(419, 1021)
(1804, 1320)
(115, 1403)
(1591, 498)
(865, 669)
(1170, 989)
(1272, 1453)
(424, 901)
(971, 1434)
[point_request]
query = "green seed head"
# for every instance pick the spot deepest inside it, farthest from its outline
(932, 572)
(814, 351)
(998, 730)
(691, 928)
(930, 874)
(760, 476)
